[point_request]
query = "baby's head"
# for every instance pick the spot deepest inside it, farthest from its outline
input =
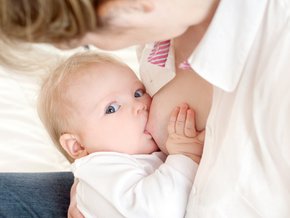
(93, 102)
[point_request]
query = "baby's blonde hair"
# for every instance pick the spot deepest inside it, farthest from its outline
(54, 108)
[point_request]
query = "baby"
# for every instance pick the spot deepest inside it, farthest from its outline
(96, 109)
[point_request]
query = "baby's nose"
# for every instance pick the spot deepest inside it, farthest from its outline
(140, 106)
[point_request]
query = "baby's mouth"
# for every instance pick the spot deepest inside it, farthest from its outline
(146, 132)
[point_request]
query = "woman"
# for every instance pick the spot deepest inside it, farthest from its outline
(237, 45)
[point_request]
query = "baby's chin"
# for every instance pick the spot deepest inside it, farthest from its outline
(149, 146)
(160, 140)
(163, 149)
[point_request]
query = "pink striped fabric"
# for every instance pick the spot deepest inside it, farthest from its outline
(184, 65)
(159, 53)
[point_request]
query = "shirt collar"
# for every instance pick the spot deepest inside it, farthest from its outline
(221, 55)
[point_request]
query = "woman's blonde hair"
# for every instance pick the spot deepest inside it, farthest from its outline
(55, 110)
(46, 20)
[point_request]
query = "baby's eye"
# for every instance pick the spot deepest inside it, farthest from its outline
(138, 93)
(112, 108)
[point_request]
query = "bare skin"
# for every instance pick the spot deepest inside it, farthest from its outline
(183, 138)
(182, 135)
(186, 86)
(180, 89)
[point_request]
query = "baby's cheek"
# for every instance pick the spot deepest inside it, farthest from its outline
(163, 149)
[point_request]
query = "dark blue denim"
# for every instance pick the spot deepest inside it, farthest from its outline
(29, 195)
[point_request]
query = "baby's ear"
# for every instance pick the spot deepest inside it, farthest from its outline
(71, 145)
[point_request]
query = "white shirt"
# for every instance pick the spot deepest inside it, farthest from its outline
(113, 185)
(245, 167)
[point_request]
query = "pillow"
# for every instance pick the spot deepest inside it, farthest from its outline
(25, 146)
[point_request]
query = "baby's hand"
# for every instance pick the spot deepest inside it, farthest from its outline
(182, 135)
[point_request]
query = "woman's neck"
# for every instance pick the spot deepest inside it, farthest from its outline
(186, 43)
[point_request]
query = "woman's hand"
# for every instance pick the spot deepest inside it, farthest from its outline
(73, 211)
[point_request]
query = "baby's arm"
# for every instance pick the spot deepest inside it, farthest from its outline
(120, 185)
(183, 138)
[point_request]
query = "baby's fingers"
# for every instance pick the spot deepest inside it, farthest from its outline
(181, 118)
(189, 128)
(172, 120)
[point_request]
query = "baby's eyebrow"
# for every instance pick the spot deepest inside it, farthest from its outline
(99, 104)
(139, 83)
